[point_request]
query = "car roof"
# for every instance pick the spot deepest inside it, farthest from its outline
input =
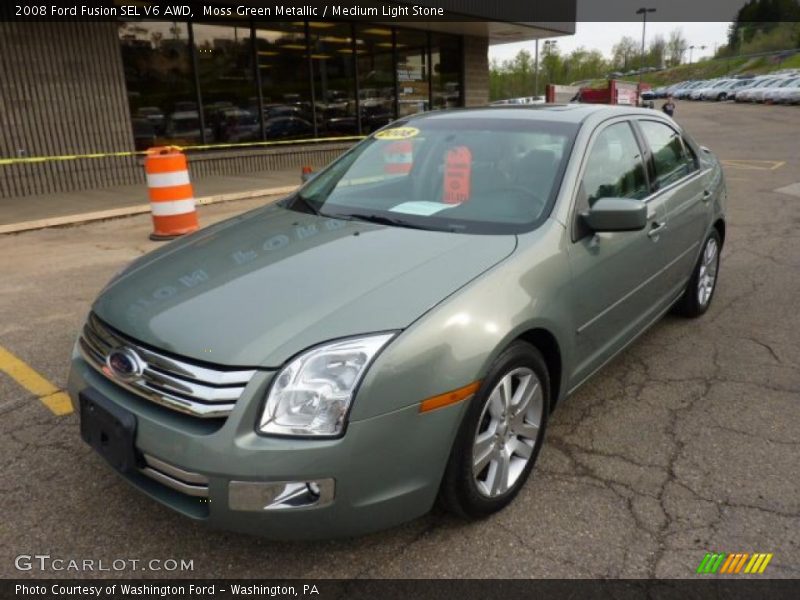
(565, 113)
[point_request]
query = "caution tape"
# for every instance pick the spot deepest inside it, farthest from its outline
(41, 159)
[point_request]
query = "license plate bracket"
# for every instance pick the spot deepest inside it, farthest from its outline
(109, 429)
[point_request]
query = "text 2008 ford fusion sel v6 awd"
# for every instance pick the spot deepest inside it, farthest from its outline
(400, 328)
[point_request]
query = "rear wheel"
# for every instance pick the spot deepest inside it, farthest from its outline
(500, 436)
(698, 294)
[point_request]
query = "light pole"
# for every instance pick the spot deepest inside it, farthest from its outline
(549, 47)
(536, 71)
(643, 11)
(691, 48)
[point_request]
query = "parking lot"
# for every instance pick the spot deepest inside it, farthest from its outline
(686, 443)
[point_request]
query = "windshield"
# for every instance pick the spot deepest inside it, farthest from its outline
(472, 175)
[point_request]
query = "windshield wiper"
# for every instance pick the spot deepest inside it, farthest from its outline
(379, 219)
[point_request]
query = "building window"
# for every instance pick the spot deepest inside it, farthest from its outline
(413, 82)
(158, 76)
(332, 63)
(227, 86)
(445, 70)
(281, 80)
(285, 87)
(376, 91)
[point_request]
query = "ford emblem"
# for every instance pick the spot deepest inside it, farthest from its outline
(124, 363)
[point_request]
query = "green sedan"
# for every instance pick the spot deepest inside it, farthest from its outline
(399, 329)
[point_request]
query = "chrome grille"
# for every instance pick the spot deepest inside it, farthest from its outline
(175, 383)
(186, 482)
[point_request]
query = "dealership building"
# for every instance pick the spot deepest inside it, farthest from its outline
(227, 84)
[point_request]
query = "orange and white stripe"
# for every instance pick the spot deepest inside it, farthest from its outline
(171, 195)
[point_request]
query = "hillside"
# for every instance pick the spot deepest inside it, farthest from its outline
(721, 67)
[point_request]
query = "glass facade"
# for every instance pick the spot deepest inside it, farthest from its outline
(234, 82)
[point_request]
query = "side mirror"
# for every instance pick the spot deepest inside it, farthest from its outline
(616, 214)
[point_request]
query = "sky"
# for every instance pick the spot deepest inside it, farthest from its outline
(602, 36)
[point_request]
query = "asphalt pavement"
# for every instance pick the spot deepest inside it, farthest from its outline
(686, 443)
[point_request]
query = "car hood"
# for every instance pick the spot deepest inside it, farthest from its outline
(257, 289)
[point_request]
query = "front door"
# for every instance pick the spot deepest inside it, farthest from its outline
(617, 285)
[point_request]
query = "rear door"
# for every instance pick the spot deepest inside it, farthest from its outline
(616, 275)
(681, 187)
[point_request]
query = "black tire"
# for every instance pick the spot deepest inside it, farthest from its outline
(689, 304)
(459, 492)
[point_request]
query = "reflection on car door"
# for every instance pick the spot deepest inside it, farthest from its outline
(617, 289)
(685, 192)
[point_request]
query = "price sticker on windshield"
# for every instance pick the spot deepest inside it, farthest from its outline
(397, 133)
(457, 174)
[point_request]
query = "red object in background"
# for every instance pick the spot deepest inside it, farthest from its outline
(457, 174)
(398, 158)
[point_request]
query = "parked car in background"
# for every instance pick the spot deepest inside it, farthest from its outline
(789, 95)
(332, 364)
(772, 93)
(144, 133)
(684, 91)
(183, 128)
(749, 93)
(725, 92)
(697, 92)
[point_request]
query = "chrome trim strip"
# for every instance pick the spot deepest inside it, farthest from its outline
(200, 491)
(175, 472)
(177, 384)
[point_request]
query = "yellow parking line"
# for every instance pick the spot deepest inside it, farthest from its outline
(53, 398)
(753, 165)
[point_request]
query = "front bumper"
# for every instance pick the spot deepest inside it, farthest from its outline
(385, 470)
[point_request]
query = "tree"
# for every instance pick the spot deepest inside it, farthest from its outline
(676, 47)
(656, 54)
(623, 53)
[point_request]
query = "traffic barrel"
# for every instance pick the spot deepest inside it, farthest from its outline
(171, 196)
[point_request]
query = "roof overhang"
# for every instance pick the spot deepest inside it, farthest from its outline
(497, 32)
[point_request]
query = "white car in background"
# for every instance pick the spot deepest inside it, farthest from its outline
(776, 94)
(758, 95)
(725, 90)
(790, 95)
(699, 93)
(747, 94)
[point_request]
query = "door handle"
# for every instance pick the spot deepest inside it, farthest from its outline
(655, 229)
(706, 195)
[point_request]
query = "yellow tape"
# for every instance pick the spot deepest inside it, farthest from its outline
(40, 159)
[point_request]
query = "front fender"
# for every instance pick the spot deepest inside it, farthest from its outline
(455, 344)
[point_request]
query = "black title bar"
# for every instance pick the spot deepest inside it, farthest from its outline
(541, 12)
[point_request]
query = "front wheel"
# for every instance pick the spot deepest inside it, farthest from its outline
(698, 294)
(500, 436)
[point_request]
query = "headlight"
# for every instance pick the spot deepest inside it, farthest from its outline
(312, 394)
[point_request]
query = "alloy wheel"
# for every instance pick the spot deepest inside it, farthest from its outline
(507, 432)
(709, 263)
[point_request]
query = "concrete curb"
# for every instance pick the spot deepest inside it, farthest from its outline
(127, 211)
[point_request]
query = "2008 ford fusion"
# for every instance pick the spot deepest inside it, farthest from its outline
(400, 328)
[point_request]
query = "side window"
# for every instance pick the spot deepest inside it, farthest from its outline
(614, 168)
(691, 157)
(671, 160)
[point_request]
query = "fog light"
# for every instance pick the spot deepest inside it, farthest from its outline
(280, 495)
